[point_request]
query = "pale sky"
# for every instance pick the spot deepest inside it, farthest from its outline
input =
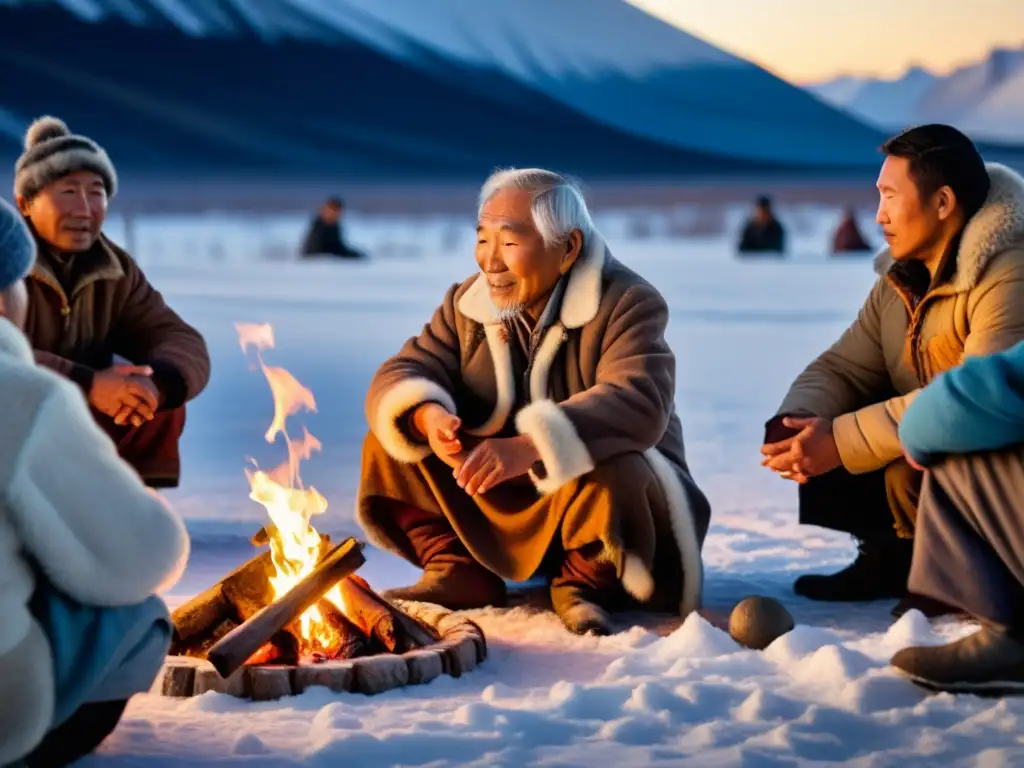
(809, 40)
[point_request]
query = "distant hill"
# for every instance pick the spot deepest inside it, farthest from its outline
(985, 99)
(397, 89)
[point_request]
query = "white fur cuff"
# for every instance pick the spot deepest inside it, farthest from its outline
(564, 454)
(398, 401)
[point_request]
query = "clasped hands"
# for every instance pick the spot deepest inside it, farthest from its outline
(810, 452)
(126, 393)
(488, 465)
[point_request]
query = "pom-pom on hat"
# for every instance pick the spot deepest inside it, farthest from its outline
(52, 152)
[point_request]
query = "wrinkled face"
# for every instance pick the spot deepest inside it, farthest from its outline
(69, 213)
(14, 304)
(520, 269)
(911, 225)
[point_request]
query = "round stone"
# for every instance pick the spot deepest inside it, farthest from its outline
(756, 622)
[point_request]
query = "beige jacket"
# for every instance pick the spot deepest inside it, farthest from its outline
(866, 380)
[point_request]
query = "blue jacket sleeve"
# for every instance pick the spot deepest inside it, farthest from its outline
(978, 406)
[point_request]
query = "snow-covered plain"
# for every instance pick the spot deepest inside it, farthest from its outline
(741, 330)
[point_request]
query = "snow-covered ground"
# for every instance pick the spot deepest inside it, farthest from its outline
(741, 331)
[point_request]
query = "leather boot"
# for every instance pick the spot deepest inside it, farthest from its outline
(880, 572)
(585, 584)
(451, 577)
(989, 662)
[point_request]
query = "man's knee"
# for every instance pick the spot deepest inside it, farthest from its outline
(629, 470)
(902, 478)
(964, 470)
(961, 466)
(903, 492)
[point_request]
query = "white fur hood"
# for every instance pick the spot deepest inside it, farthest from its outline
(72, 506)
(998, 226)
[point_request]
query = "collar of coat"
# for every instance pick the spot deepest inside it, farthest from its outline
(998, 225)
(580, 302)
(13, 342)
(103, 264)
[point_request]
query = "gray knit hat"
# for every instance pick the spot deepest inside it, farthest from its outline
(17, 247)
(52, 151)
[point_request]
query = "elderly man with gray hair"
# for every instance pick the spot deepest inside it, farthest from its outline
(530, 429)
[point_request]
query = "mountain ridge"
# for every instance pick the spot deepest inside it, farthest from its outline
(984, 98)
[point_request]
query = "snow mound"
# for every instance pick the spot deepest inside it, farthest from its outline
(912, 628)
(832, 665)
(765, 706)
(695, 639)
(799, 642)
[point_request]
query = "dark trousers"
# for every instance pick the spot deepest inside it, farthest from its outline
(969, 549)
(152, 449)
(875, 506)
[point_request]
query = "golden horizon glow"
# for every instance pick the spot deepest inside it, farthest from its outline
(806, 41)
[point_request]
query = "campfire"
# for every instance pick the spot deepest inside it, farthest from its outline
(295, 614)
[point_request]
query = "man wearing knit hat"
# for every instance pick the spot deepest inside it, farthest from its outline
(90, 302)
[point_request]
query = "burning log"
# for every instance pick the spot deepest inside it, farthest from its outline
(282, 648)
(249, 590)
(263, 536)
(241, 643)
(349, 641)
(208, 609)
(378, 618)
(199, 647)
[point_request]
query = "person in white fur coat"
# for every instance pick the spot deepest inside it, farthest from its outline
(84, 547)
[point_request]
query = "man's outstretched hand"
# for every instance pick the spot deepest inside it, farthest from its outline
(810, 452)
(441, 431)
(495, 461)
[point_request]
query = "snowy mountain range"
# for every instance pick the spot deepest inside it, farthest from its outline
(985, 99)
(406, 88)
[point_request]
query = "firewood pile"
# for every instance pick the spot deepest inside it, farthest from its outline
(236, 638)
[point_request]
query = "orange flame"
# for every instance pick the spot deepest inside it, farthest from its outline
(295, 545)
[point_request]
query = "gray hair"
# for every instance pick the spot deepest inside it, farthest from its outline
(558, 205)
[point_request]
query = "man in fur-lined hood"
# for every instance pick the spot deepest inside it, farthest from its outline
(951, 286)
(531, 427)
(91, 304)
(83, 548)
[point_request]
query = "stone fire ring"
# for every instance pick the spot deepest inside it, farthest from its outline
(462, 646)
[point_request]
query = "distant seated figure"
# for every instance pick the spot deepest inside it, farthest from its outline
(763, 233)
(325, 236)
(848, 237)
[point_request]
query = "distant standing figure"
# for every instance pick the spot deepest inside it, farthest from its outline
(763, 233)
(325, 236)
(848, 237)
